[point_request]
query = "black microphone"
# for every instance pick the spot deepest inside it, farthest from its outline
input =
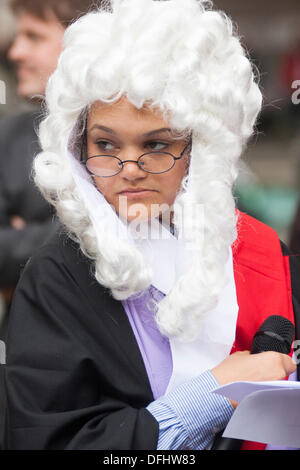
(275, 334)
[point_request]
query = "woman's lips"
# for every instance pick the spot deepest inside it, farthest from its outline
(136, 193)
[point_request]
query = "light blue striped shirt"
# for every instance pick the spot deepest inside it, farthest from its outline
(190, 416)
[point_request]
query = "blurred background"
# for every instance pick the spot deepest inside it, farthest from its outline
(270, 175)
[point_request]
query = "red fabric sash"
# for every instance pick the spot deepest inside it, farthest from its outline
(263, 283)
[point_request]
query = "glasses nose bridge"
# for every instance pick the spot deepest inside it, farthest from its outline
(129, 161)
(132, 169)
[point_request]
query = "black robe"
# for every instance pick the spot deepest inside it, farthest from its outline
(82, 383)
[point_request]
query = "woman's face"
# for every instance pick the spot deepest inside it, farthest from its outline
(124, 131)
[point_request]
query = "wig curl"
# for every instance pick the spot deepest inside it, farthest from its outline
(186, 60)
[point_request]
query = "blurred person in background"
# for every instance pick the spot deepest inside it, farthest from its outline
(26, 219)
(8, 99)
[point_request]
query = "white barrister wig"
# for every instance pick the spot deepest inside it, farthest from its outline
(185, 59)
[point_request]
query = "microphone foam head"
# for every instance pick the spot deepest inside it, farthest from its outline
(275, 334)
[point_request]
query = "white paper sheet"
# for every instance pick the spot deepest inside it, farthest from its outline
(239, 390)
(268, 412)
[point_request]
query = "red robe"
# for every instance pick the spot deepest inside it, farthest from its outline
(263, 283)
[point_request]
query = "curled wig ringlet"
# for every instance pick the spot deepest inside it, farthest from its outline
(184, 59)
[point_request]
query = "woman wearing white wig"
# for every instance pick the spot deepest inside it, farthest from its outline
(148, 299)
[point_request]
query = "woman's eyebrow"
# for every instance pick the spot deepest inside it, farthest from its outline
(156, 131)
(102, 128)
(111, 131)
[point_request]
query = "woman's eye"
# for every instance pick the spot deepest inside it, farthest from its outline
(157, 146)
(105, 146)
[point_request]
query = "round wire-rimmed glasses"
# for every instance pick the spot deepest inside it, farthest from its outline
(105, 166)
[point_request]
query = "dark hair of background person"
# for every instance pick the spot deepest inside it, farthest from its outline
(66, 11)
